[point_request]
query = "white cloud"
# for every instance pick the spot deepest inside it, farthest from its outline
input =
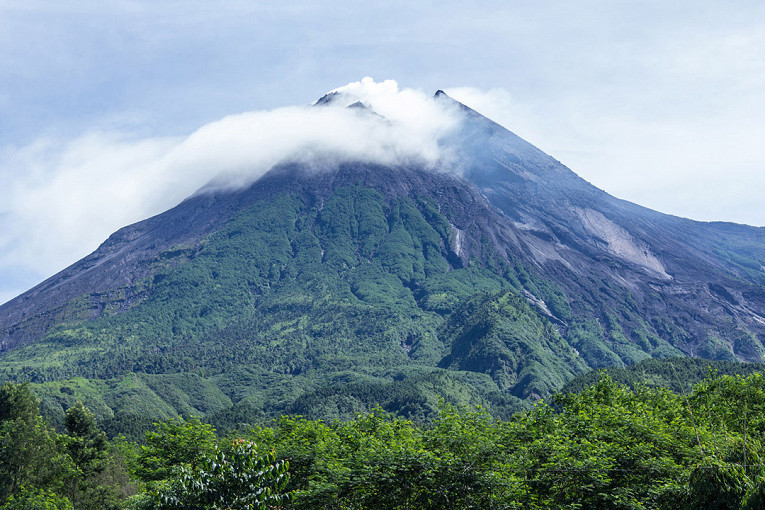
(406, 124)
(706, 166)
(61, 198)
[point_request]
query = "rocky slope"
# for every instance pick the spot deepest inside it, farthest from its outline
(505, 264)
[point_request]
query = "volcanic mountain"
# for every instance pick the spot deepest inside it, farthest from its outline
(326, 287)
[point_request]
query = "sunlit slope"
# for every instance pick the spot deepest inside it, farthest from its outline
(304, 287)
(494, 279)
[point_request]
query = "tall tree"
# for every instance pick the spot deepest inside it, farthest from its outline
(238, 478)
(88, 448)
(85, 442)
(174, 443)
(29, 454)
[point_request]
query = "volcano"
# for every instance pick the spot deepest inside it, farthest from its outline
(326, 287)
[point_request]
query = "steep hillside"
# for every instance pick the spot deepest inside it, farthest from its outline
(494, 279)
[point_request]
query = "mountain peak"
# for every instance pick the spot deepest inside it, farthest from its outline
(369, 265)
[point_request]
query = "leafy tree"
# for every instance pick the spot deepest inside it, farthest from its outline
(475, 467)
(37, 499)
(29, 454)
(85, 442)
(18, 402)
(176, 442)
(755, 498)
(237, 479)
(610, 447)
(376, 461)
(88, 448)
(717, 487)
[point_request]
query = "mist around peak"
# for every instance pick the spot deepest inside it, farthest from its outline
(365, 121)
(63, 197)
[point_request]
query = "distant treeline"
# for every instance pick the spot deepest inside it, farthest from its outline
(677, 374)
(608, 445)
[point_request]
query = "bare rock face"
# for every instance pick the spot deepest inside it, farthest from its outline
(653, 283)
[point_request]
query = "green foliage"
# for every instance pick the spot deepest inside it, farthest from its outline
(607, 446)
(412, 395)
(618, 447)
(17, 402)
(501, 334)
(88, 449)
(755, 498)
(238, 478)
(676, 374)
(37, 499)
(717, 487)
(29, 453)
(173, 443)
(85, 443)
(41, 469)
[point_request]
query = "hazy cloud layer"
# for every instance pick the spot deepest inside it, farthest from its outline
(62, 198)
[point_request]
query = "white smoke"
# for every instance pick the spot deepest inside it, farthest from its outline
(61, 198)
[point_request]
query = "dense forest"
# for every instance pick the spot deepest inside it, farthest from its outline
(319, 304)
(606, 445)
(343, 334)
(295, 296)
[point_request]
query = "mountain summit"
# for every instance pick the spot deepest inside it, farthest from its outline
(493, 274)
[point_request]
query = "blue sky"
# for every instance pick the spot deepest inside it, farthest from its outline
(660, 103)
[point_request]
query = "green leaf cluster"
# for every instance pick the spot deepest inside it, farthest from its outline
(40, 469)
(237, 477)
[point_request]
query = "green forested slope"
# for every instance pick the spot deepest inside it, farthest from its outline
(676, 374)
(329, 285)
(288, 294)
(329, 302)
